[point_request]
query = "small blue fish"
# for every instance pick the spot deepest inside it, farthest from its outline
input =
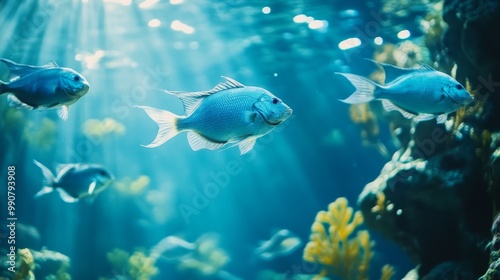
(47, 86)
(75, 181)
(230, 114)
(282, 243)
(419, 94)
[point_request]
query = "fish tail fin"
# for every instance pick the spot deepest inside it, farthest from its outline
(365, 89)
(48, 181)
(167, 123)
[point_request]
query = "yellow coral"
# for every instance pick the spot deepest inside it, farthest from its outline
(387, 272)
(93, 128)
(27, 265)
(133, 187)
(136, 266)
(339, 255)
(332, 246)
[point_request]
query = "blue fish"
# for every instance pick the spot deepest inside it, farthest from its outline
(42, 87)
(417, 93)
(230, 114)
(75, 181)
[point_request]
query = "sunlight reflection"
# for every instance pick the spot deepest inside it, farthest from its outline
(177, 25)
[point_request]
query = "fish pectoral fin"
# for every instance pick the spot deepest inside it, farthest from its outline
(247, 145)
(92, 187)
(441, 118)
(16, 103)
(198, 142)
(389, 106)
(62, 112)
(66, 197)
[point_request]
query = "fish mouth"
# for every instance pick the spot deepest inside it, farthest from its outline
(79, 92)
(285, 116)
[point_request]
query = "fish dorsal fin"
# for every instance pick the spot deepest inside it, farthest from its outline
(389, 106)
(66, 197)
(19, 70)
(228, 84)
(198, 142)
(16, 103)
(190, 100)
(62, 112)
(50, 64)
(393, 73)
(92, 187)
(425, 67)
(246, 145)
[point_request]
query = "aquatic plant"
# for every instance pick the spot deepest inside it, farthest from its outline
(333, 246)
(136, 266)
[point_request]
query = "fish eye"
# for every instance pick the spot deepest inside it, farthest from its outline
(275, 100)
(459, 87)
(76, 78)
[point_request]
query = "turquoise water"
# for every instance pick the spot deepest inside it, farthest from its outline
(127, 50)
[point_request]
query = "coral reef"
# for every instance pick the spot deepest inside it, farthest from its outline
(438, 194)
(333, 247)
(208, 259)
(26, 266)
(136, 266)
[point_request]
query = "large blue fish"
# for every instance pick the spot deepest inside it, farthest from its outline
(230, 114)
(418, 93)
(47, 86)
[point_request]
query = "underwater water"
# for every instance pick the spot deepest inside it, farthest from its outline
(221, 203)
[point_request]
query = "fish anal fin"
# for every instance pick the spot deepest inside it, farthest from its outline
(16, 103)
(423, 117)
(246, 145)
(389, 106)
(198, 142)
(62, 112)
(66, 197)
